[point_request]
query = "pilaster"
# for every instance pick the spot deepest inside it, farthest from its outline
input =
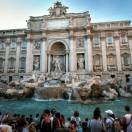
(43, 56)
(104, 57)
(88, 53)
(7, 42)
(130, 44)
(29, 56)
(118, 55)
(73, 56)
(18, 55)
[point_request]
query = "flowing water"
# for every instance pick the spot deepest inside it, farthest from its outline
(32, 106)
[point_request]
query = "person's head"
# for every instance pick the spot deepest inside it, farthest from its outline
(86, 119)
(15, 115)
(57, 115)
(127, 108)
(73, 126)
(62, 116)
(46, 112)
(53, 111)
(22, 116)
(76, 114)
(69, 119)
(97, 113)
(84, 126)
(37, 115)
(110, 113)
(31, 116)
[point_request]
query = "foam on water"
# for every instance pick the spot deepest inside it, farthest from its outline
(47, 100)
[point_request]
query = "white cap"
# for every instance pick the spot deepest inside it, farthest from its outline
(110, 112)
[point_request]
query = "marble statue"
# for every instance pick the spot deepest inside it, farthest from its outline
(36, 65)
(57, 64)
(80, 62)
(58, 9)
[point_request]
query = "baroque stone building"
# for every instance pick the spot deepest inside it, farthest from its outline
(64, 42)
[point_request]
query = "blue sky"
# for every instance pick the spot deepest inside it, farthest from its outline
(14, 13)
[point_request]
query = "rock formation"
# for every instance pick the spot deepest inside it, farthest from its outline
(84, 91)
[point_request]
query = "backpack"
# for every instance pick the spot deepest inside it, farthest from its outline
(112, 126)
(129, 127)
(126, 125)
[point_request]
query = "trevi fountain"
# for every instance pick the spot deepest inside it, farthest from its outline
(58, 89)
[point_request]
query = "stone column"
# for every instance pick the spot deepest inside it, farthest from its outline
(49, 62)
(130, 44)
(29, 56)
(7, 42)
(66, 62)
(118, 55)
(88, 54)
(43, 56)
(73, 56)
(104, 57)
(18, 55)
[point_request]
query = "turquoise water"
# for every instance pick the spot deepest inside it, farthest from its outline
(30, 106)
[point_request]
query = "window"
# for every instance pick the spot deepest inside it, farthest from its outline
(125, 59)
(13, 45)
(1, 63)
(22, 63)
(2, 46)
(24, 45)
(11, 63)
(97, 60)
(111, 60)
(123, 39)
(110, 40)
(96, 40)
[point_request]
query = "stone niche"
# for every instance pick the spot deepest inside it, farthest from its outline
(80, 62)
(36, 62)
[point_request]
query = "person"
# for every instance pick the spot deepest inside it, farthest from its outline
(57, 124)
(45, 121)
(76, 118)
(5, 128)
(126, 118)
(96, 124)
(53, 111)
(31, 127)
(67, 123)
(129, 127)
(0, 116)
(36, 120)
(73, 126)
(117, 125)
(21, 124)
(109, 122)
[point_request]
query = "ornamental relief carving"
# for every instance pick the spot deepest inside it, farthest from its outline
(80, 43)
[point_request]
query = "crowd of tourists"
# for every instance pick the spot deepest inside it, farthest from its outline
(54, 121)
